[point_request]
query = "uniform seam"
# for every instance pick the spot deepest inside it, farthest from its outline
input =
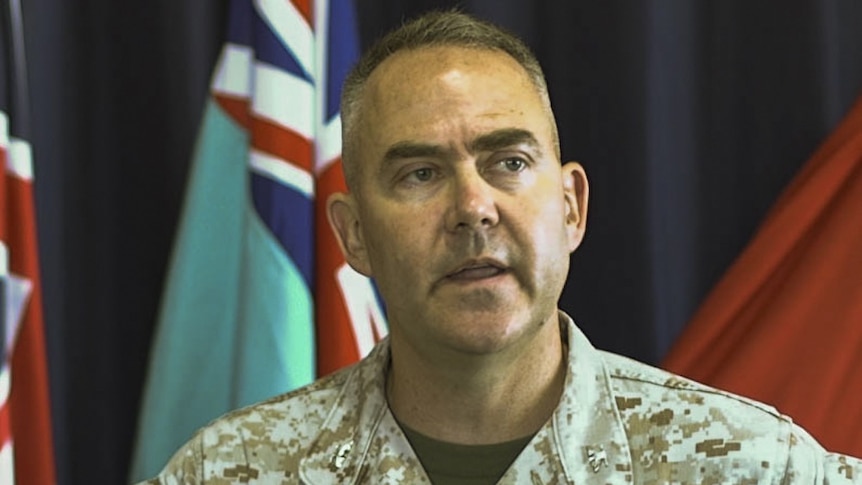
(748, 402)
(618, 417)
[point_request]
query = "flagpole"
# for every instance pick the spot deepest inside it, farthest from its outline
(19, 115)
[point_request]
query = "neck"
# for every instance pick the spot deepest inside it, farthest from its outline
(479, 399)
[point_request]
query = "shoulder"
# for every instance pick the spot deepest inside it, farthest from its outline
(636, 384)
(678, 426)
(267, 441)
(297, 414)
(682, 428)
(258, 440)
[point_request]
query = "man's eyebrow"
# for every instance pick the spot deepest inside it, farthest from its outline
(411, 149)
(488, 142)
(504, 138)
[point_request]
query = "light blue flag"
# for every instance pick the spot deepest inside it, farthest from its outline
(235, 325)
(236, 322)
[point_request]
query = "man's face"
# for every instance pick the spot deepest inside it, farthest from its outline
(462, 212)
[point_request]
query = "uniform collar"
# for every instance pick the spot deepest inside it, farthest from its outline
(584, 441)
(587, 426)
(360, 440)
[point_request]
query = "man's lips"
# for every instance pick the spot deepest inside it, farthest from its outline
(477, 270)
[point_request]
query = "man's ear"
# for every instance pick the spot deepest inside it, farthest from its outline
(576, 191)
(344, 220)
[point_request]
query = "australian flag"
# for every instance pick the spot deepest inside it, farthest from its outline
(259, 300)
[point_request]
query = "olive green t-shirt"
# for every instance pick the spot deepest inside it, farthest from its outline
(456, 464)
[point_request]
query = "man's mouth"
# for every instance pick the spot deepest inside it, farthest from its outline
(477, 270)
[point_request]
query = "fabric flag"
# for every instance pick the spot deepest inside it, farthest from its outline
(254, 258)
(26, 446)
(784, 325)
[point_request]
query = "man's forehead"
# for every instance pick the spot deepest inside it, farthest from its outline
(449, 96)
(446, 62)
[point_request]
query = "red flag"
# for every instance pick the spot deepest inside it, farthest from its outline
(24, 385)
(784, 325)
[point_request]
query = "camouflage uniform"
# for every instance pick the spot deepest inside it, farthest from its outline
(618, 422)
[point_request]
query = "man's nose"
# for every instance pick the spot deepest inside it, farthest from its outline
(473, 203)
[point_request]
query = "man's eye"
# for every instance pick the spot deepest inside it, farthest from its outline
(514, 164)
(421, 175)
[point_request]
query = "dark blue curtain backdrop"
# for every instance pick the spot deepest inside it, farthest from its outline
(689, 117)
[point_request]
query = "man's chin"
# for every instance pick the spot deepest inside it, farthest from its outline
(483, 333)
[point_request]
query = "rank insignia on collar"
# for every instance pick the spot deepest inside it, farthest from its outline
(596, 457)
(340, 457)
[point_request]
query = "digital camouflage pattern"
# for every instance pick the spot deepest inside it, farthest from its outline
(618, 422)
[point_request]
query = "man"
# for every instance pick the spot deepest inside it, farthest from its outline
(460, 209)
